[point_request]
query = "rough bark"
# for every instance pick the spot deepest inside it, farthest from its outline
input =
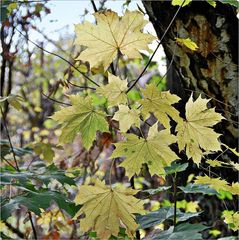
(213, 68)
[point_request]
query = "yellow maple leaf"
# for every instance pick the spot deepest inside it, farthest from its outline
(160, 104)
(107, 209)
(218, 184)
(195, 133)
(81, 118)
(127, 117)
(188, 43)
(154, 151)
(112, 35)
(232, 219)
(114, 91)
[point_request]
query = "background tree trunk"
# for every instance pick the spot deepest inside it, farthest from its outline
(213, 68)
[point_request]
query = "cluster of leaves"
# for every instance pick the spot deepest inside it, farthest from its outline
(108, 210)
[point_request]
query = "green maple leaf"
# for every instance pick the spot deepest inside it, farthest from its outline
(81, 118)
(153, 151)
(160, 104)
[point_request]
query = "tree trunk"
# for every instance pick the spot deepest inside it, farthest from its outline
(212, 69)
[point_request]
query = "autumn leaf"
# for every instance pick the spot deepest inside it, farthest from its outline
(107, 209)
(232, 219)
(218, 184)
(127, 117)
(160, 104)
(181, 2)
(195, 133)
(81, 118)
(112, 35)
(114, 91)
(153, 151)
(188, 43)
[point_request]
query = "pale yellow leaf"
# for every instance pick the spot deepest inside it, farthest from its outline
(107, 209)
(195, 133)
(154, 151)
(160, 104)
(114, 91)
(112, 34)
(127, 117)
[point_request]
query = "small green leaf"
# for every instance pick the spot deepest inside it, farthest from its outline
(185, 231)
(198, 188)
(233, 3)
(157, 217)
(175, 167)
(35, 201)
(157, 190)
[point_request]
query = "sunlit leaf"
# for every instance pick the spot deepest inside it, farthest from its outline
(188, 43)
(112, 35)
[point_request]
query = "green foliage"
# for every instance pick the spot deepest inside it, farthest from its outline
(34, 201)
(184, 231)
(157, 217)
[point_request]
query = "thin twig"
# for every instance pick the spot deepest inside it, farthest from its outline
(4, 159)
(160, 42)
(9, 139)
(32, 224)
(54, 54)
(54, 100)
(94, 6)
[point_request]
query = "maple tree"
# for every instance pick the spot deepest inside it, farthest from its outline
(146, 135)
